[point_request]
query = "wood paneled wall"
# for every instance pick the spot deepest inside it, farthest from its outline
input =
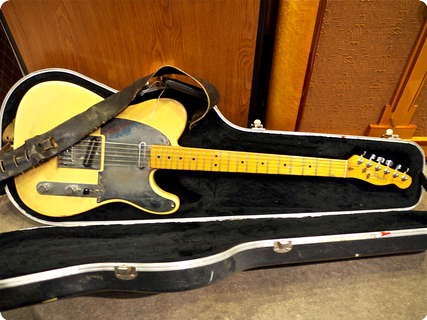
(116, 42)
(9, 67)
(363, 49)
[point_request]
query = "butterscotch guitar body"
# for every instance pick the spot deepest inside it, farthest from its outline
(111, 165)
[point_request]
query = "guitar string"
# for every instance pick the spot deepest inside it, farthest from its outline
(110, 160)
(237, 158)
(218, 167)
(185, 149)
(179, 149)
(200, 150)
(130, 154)
(196, 153)
(134, 159)
(272, 168)
(196, 167)
(275, 169)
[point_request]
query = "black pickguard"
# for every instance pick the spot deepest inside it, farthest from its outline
(127, 181)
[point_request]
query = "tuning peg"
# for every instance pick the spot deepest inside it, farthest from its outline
(396, 174)
(380, 161)
(404, 176)
(388, 163)
(360, 160)
(369, 164)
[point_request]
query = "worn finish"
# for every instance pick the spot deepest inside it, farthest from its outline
(124, 177)
(76, 99)
(116, 42)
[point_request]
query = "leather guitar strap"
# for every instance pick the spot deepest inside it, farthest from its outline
(44, 146)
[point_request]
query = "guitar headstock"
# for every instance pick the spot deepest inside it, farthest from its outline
(377, 170)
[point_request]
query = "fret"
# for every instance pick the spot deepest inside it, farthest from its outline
(228, 161)
(256, 164)
(316, 166)
(345, 169)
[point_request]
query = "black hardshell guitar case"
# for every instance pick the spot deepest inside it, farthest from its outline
(227, 222)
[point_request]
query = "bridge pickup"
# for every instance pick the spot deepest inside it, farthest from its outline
(85, 154)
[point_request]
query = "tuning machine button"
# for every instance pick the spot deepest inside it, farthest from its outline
(388, 164)
(371, 158)
(360, 160)
(380, 161)
(405, 176)
(396, 173)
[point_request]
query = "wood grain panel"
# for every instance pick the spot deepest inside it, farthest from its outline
(363, 49)
(9, 67)
(116, 42)
(294, 34)
(420, 116)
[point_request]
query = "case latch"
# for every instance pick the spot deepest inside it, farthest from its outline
(257, 124)
(125, 272)
(282, 247)
(389, 133)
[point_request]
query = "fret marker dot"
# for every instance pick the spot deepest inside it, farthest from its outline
(169, 157)
(284, 164)
(180, 158)
(194, 158)
(215, 164)
(243, 161)
(158, 157)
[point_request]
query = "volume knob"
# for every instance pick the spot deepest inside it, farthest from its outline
(71, 189)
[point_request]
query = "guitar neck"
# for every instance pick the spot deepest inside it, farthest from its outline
(183, 158)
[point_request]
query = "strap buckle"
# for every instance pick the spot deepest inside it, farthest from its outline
(47, 144)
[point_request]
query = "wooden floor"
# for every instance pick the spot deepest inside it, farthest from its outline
(392, 287)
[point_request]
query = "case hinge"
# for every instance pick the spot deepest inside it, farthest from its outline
(125, 272)
(257, 124)
(282, 247)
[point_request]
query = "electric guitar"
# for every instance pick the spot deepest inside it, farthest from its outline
(117, 162)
